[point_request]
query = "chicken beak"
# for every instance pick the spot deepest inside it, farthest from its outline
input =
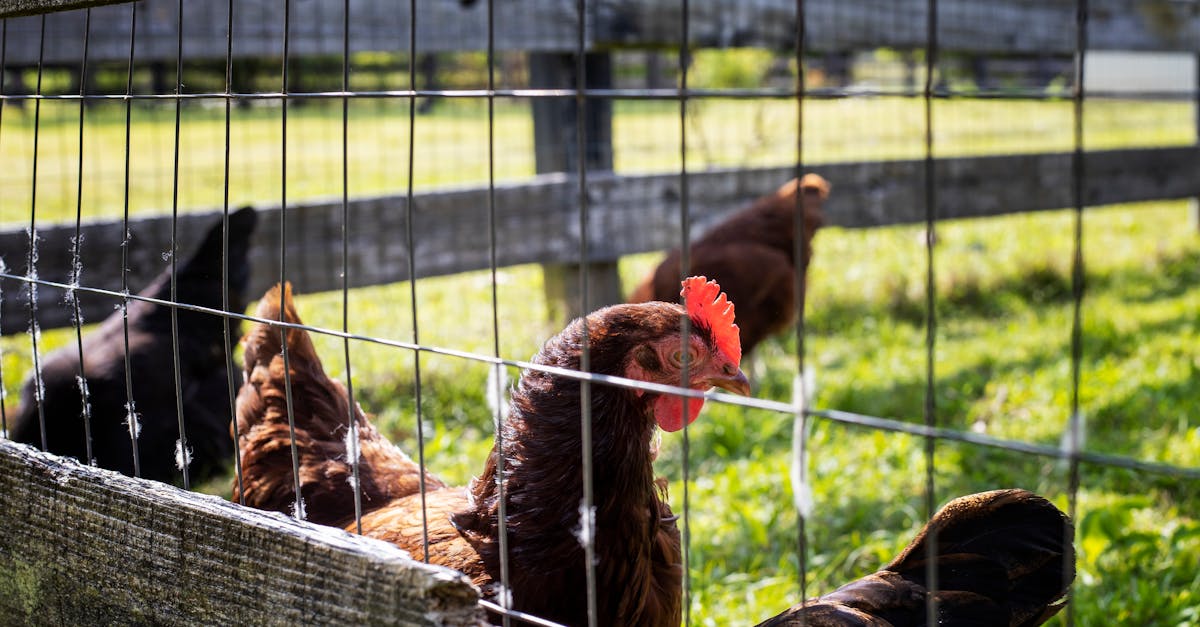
(736, 383)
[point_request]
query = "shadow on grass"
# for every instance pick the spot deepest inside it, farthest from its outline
(1042, 284)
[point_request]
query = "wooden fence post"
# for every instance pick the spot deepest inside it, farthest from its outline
(557, 150)
(1196, 89)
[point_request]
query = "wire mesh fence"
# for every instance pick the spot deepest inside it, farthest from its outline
(384, 143)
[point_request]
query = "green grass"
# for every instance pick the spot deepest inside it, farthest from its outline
(451, 144)
(1002, 366)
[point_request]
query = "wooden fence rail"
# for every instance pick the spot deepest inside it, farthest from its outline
(1031, 27)
(85, 546)
(538, 221)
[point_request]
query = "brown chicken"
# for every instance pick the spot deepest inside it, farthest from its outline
(638, 563)
(752, 255)
(1004, 559)
(203, 376)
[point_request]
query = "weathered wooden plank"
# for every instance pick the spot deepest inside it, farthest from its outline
(1005, 26)
(1030, 27)
(314, 28)
(538, 221)
(13, 8)
(85, 546)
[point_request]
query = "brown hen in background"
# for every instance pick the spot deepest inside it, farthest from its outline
(752, 254)
(638, 562)
(1004, 559)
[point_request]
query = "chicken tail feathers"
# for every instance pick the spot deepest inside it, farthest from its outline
(201, 275)
(1011, 547)
(814, 184)
(1004, 558)
(330, 432)
(264, 341)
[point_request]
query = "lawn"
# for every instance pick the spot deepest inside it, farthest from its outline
(1002, 366)
(1004, 310)
(450, 145)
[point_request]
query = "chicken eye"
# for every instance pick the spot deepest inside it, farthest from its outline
(676, 357)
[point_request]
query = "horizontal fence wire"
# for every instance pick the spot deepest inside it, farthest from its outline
(832, 415)
(630, 94)
(522, 617)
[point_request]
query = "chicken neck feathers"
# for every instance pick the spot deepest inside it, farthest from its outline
(321, 411)
(636, 539)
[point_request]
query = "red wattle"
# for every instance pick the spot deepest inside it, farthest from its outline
(668, 411)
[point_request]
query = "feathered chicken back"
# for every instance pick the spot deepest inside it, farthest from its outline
(322, 415)
(203, 371)
(752, 254)
(638, 567)
(1004, 558)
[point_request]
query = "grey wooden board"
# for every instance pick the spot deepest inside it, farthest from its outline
(538, 221)
(32, 7)
(85, 546)
(998, 27)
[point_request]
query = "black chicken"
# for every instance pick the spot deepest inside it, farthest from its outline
(204, 371)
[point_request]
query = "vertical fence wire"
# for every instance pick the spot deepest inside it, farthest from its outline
(354, 447)
(298, 512)
(587, 512)
(131, 418)
(931, 320)
(182, 456)
(801, 492)
(412, 268)
(76, 245)
(498, 417)
(1074, 436)
(685, 265)
(31, 269)
(3, 65)
(237, 438)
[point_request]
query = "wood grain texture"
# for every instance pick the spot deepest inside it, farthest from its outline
(538, 221)
(13, 8)
(1030, 27)
(89, 546)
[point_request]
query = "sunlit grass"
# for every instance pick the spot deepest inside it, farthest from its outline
(450, 144)
(1002, 366)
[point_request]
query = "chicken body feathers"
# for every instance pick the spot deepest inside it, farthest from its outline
(752, 254)
(638, 560)
(1004, 559)
(322, 416)
(204, 371)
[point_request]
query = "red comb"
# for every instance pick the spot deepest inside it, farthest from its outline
(708, 306)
